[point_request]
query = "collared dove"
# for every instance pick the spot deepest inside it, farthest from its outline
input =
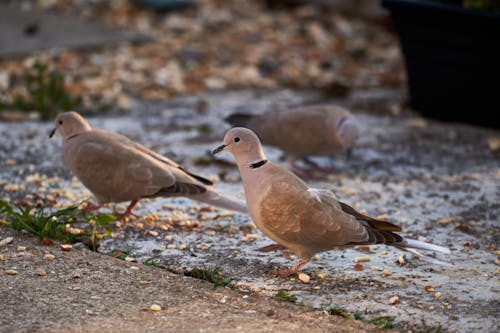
(315, 130)
(116, 169)
(299, 218)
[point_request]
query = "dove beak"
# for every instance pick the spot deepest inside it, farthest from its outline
(218, 149)
(52, 132)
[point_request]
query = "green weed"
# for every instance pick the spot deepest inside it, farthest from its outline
(338, 311)
(47, 94)
(56, 224)
(210, 274)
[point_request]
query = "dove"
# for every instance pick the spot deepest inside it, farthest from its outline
(117, 169)
(301, 219)
(316, 130)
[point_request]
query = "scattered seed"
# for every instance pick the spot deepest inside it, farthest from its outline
(365, 249)
(11, 272)
(252, 237)
(383, 217)
(498, 270)
(445, 221)
(467, 243)
(168, 238)
(130, 259)
(10, 162)
(2, 257)
(492, 247)
(76, 276)
(429, 288)
(21, 248)
(361, 259)
(321, 275)
(304, 277)
(134, 268)
(401, 261)
(41, 272)
(386, 272)
(437, 294)
(48, 256)
(143, 282)
(383, 253)
(497, 261)
(155, 307)
(171, 246)
(66, 247)
(394, 300)
(153, 233)
(374, 268)
(182, 247)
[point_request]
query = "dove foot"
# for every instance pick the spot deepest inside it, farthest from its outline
(290, 271)
(124, 216)
(272, 247)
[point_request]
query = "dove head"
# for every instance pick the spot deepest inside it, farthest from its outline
(347, 129)
(243, 144)
(70, 123)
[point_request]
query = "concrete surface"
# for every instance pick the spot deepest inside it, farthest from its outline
(439, 181)
(23, 32)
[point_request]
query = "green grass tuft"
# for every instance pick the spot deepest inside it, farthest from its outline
(55, 224)
(338, 311)
(47, 94)
(384, 322)
(285, 297)
(210, 274)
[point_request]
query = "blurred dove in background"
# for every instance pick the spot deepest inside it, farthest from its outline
(299, 218)
(116, 169)
(316, 130)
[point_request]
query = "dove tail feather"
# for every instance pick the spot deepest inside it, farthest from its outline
(215, 198)
(415, 244)
(239, 119)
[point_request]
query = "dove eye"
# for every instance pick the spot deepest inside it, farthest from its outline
(236, 139)
(60, 122)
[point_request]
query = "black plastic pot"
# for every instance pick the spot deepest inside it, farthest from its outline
(452, 59)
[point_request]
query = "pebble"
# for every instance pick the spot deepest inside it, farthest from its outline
(6, 241)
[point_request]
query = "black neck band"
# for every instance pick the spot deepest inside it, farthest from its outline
(258, 164)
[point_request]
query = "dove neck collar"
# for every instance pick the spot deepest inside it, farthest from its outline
(257, 164)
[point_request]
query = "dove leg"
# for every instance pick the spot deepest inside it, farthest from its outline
(91, 207)
(316, 166)
(272, 247)
(300, 171)
(128, 212)
(291, 271)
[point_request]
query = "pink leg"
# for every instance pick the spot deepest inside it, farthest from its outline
(290, 271)
(316, 166)
(128, 212)
(272, 247)
(91, 207)
(300, 171)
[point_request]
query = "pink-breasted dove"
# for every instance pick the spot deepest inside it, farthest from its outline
(299, 218)
(314, 130)
(117, 169)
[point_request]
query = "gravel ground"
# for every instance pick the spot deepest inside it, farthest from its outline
(439, 181)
